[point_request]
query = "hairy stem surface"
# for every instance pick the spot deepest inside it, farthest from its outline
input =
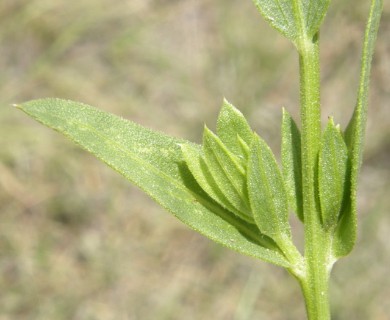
(317, 242)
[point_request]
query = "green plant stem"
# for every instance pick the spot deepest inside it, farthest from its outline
(315, 289)
(317, 242)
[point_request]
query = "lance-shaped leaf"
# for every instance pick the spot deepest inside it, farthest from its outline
(227, 171)
(294, 18)
(332, 174)
(291, 163)
(154, 162)
(345, 236)
(267, 194)
(194, 159)
(233, 130)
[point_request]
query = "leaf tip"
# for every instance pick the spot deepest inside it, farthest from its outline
(229, 107)
(207, 131)
(226, 101)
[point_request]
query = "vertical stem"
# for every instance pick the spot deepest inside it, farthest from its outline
(317, 242)
(315, 291)
(310, 102)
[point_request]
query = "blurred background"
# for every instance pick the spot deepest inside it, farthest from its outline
(77, 241)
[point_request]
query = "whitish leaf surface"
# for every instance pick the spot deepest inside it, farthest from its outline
(332, 171)
(154, 162)
(291, 163)
(345, 236)
(267, 194)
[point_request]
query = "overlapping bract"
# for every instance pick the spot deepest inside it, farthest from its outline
(332, 174)
(238, 170)
(220, 167)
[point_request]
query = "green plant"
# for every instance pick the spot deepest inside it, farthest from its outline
(230, 188)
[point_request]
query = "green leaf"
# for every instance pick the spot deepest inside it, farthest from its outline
(314, 12)
(233, 130)
(292, 164)
(244, 148)
(267, 194)
(280, 15)
(227, 171)
(332, 174)
(345, 236)
(194, 158)
(154, 162)
(294, 18)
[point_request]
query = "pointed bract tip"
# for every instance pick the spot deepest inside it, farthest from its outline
(225, 101)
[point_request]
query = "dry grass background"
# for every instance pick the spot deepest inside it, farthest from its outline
(79, 242)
